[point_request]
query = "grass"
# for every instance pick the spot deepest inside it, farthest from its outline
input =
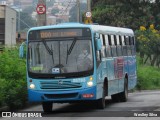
(148, 77)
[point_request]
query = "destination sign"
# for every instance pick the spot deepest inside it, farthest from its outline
(54, 34)
(59, 33)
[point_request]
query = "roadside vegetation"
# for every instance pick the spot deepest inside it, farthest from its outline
(148, 42)
(148, 76)
(13, 88)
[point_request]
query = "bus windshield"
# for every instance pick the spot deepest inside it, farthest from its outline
(58, 57)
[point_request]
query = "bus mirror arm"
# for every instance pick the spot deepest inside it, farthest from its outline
(21, 50)
(98, 44)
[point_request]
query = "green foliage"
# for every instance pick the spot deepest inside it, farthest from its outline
(125, 13)
(13, 87)
(2, 96)
(14, 93)
(148, 77)
(11, 66)
(148, 41)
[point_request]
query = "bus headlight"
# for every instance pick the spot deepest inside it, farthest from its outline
(90, 83)
(32, 86)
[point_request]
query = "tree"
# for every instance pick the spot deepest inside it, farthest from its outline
(148, 41)
(124, 13)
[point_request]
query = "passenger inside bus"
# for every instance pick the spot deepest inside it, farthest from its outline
(84, 61)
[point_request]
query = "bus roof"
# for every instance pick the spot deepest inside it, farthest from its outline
(96, 28)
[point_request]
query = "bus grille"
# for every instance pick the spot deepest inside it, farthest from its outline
(59, 85)
(58, 96)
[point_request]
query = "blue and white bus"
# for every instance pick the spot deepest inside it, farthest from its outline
(75, 62)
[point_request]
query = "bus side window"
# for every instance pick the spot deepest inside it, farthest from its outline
(103, 46)
(124, 47)
(128, 42)
(132, 46)
(113, 47)
(98, 55)
(108, 45)
(119, 47)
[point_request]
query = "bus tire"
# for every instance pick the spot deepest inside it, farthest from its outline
(47, 106)
(124, 95)
(115, 97)
(101, 103)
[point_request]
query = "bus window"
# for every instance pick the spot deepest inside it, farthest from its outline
(124, 47)
(101, 37)
(117, 37)
(127, 40)
(120, 40)
(108, 51)
(107, 46)
(109, 40)
(132, 46)
(113, 47)
(106, 40)
(119, 50)
(119, 47)
(115, 40)
(128, 45)
(98, 57)
(102, 51)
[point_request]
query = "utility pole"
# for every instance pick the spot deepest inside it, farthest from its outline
(89, 5)
(19, 21)
(78, 10)
(88, 14)
(41, 15)
(19, 17)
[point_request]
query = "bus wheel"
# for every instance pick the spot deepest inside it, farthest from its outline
(124, 95)
(115, 97)
(101, 103)
(47, 106)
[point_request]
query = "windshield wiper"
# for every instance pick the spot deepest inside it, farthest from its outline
(50, 51)
(70, 49)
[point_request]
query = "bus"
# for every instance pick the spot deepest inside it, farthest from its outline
(74, 62)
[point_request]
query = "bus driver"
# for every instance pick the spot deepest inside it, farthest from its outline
(84, 61)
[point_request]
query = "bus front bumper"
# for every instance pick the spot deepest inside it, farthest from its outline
(62, 96)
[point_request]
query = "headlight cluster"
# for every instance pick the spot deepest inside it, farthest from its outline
(90, 82)
(32, 86)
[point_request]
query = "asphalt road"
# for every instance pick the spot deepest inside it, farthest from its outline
(144, 105)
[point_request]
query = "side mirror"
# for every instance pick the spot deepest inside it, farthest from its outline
(98, 44)
(21, 50)
(96, 35)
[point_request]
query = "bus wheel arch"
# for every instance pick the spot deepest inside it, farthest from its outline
(101, 102)
(105, 85)
(124, 95)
